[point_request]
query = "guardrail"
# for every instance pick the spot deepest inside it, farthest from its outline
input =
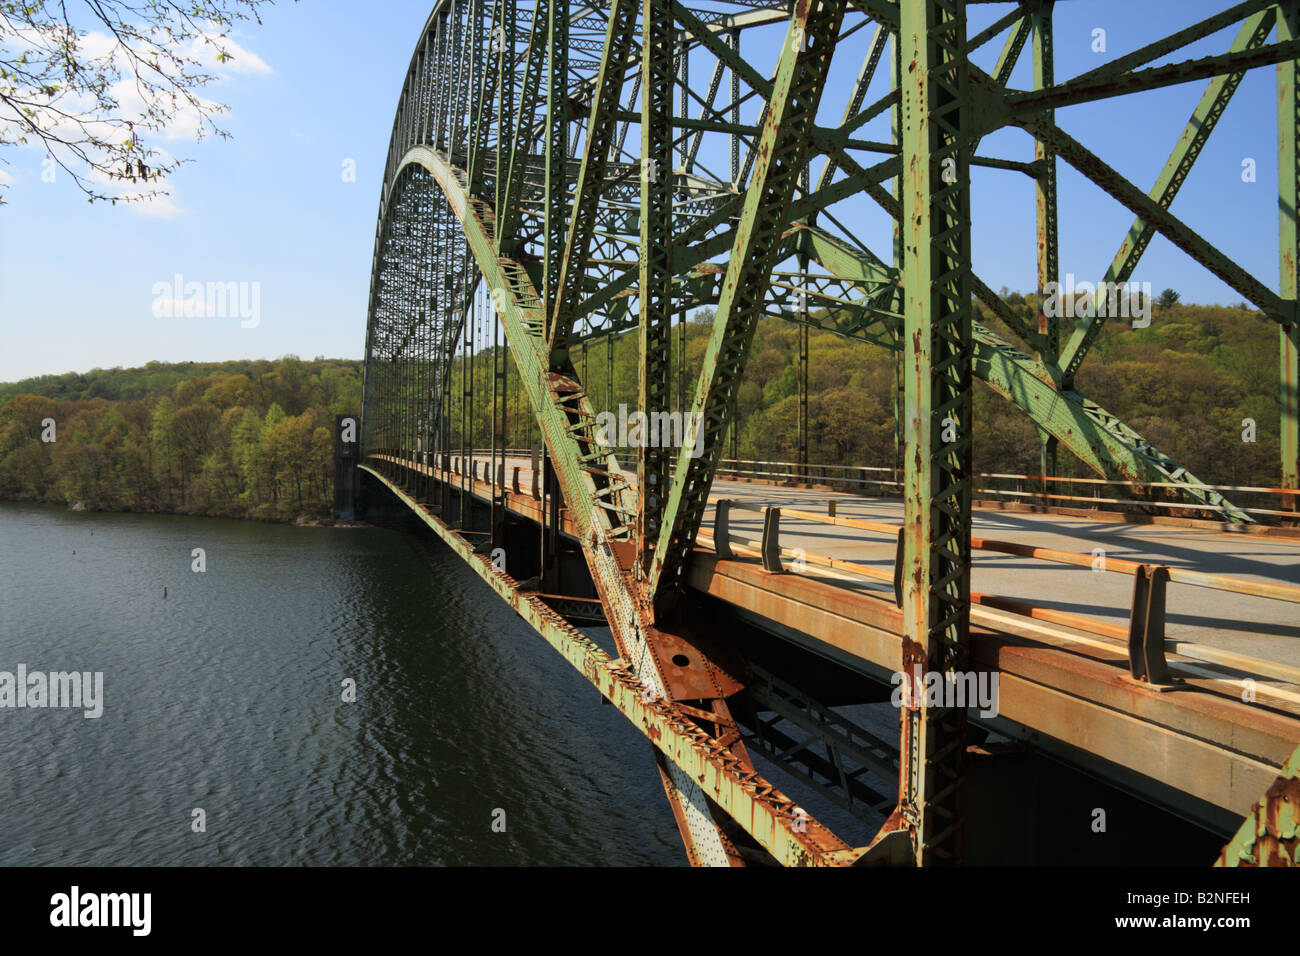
(1047, 490)
(1144, 637)
(1036, 489)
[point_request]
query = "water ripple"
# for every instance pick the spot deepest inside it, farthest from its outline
(225, 697)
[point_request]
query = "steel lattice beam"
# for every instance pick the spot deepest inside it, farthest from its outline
(782, 152)
(937, 419)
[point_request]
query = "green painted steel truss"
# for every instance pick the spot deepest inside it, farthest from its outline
(553, 174)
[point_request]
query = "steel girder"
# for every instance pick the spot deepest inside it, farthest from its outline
(601, 127)
(594, 500)
(937, 361)
(1046, 336)
(782, 153)
(1288, 131)
(654, 275)
(790, 837)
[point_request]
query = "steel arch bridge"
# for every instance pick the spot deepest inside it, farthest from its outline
(561, 175)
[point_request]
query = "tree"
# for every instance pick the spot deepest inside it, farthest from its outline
(90, 85)
(1167, 299)
(288, 448)
(192, 429)
(162, 447)
(246, 451)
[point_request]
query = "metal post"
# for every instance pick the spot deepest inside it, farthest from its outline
(466, 419)
(655, 289)
(557, 106)
(937, 367)
(895, 135)
(801, 306)
(498, 425)
(1288, 193)
(1049, 346)
(506, 88)
(684, 105)
(733, 37)
(609, 370)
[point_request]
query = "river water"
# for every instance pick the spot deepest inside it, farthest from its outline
(225, 697)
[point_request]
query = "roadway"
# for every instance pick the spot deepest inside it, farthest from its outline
(1199, 619)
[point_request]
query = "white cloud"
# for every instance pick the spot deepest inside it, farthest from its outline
(201, 48)
(242, 61)
(156, 207)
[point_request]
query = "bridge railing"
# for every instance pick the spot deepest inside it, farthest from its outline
(1266, 504)
(1024, 489)
(1144, 634)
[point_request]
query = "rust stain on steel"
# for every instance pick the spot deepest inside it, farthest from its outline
(1270, 834)
(690, 667)
(1280, 841)
(1089, 675)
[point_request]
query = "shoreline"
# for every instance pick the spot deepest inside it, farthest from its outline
(299, 520)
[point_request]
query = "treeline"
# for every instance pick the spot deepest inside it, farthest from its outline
(254, 438)
(243, 439)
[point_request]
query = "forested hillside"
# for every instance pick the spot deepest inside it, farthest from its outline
(253, 438)
(245, 439)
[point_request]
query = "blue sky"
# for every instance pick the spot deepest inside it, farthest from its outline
(270, 205)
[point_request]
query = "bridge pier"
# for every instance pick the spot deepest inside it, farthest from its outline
(347, 453)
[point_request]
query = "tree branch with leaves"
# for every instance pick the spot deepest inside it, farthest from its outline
(94, 82)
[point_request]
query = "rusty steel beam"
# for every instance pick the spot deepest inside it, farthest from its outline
(1288, 194)
(781, 154)
(760, 808)
(937, 373)
(1270, 834)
